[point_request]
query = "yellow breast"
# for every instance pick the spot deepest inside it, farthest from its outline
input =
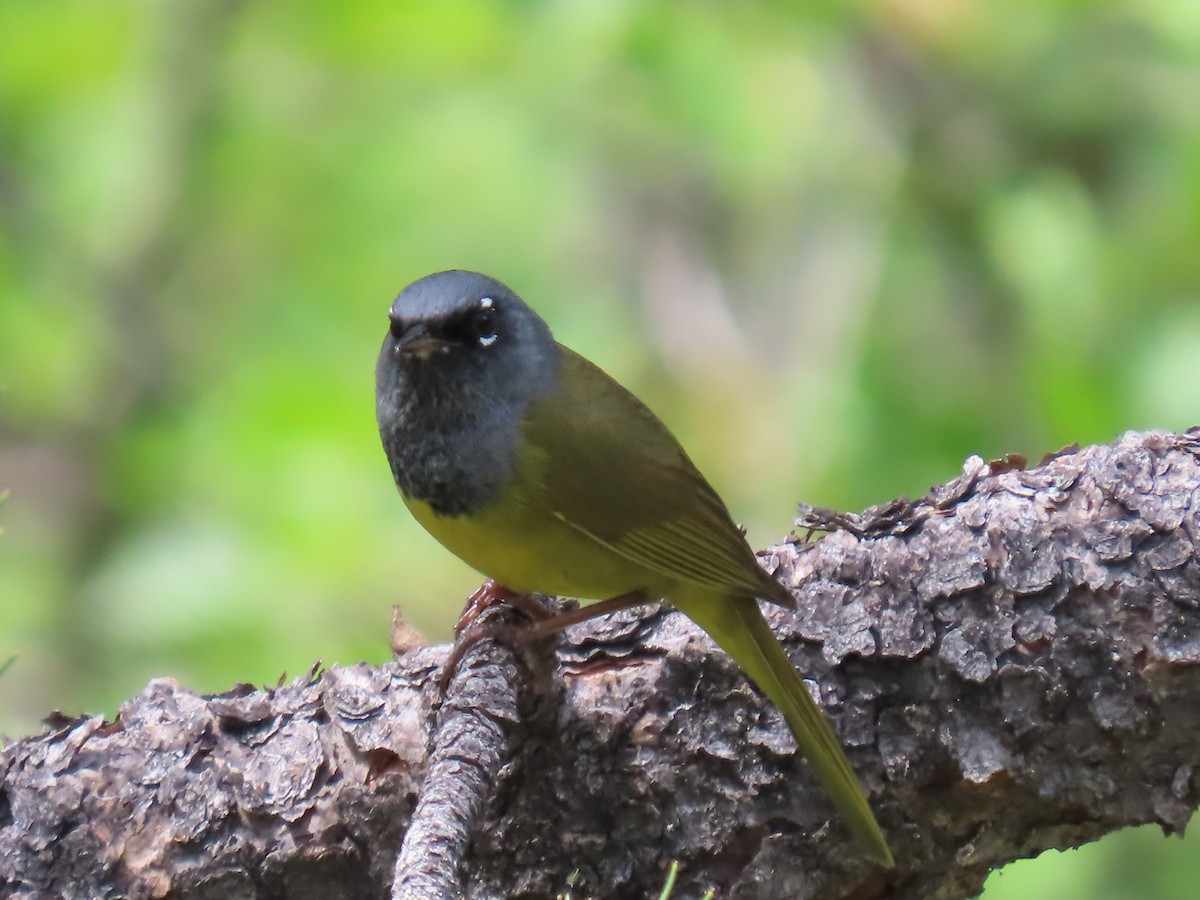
(532, 550)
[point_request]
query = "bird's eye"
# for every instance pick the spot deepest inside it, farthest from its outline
(397, 329)
(483, 322)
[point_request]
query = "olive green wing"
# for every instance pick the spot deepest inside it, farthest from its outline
(641, 497)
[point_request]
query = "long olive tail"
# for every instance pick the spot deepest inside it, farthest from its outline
(739, 627)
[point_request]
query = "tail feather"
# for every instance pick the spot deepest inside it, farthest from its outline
(739, 627)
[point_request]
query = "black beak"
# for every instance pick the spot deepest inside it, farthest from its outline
(417, 340)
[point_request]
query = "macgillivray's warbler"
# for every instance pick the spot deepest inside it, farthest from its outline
(533, 466)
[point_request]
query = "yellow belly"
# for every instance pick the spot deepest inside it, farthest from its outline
(534, 551)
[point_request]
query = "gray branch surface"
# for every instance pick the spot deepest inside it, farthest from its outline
(470, 743)
(1011, 662)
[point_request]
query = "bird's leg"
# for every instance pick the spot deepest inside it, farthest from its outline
(485, 596)
(553, 623)
(542, 623)
(468, 631)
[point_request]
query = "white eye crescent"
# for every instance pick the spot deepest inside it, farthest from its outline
(483, 322)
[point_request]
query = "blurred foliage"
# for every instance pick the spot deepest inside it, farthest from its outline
(839, 247)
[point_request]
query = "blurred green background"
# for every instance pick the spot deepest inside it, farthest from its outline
(838, 246)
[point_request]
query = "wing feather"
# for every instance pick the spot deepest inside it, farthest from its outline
(656, 509)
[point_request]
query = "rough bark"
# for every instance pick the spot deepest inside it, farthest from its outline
(1011, 662)
(468, 748)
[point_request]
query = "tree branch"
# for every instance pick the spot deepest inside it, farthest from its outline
(1011, 661)
(469, 747)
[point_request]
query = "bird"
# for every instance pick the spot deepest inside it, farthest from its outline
(543, 473)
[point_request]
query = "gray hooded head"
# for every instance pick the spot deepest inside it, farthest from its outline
(462, 359)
